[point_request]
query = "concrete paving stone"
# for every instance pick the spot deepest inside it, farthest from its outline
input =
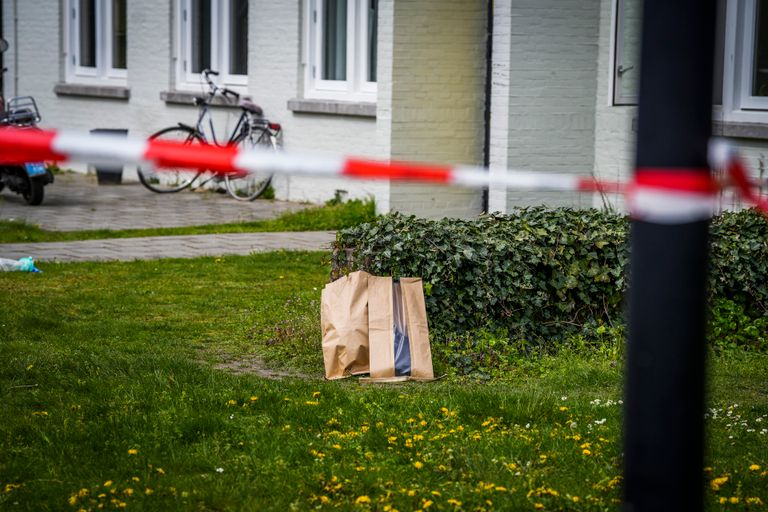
(76, 202)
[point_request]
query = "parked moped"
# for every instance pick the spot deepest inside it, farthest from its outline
(30, 178)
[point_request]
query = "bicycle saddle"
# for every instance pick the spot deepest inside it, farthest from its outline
(250, 106)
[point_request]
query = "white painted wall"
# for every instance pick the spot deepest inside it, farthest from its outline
(275, 61)
(546, 57)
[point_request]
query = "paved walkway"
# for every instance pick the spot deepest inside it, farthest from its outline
(76, 202)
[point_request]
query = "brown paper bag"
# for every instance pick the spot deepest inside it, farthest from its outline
(344, 324)
(394, 307)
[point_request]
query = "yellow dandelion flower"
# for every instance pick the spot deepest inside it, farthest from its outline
(586, 452)
(411, 492)
(325, 499)
(436, 493)
(336, 446)
(563, 408)
(707, 469)
(575, 499)
(754, 467)
(754, 501)
(108, 483)
(423, 423)
(231, 402)
(82, 493)
(734, 500)
(418, 464)
(148, 491)
(133, 451)
(73, 500)
(538, 506)
(254, 398)
(135, 479)
(455, 503)
(362, 500)
(723, 500)
(425, 503)
(311, 402)
(160, 471)
(500, 488)
(315, 394)
(716, 483)
(128, 492)
(101, 496)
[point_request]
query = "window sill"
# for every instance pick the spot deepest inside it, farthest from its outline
(188, 98)
(740, 130)
(111, 92)
(333, 107)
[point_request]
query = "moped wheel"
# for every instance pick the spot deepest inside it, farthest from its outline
(34, 192)
(249, 186)
(166, 180)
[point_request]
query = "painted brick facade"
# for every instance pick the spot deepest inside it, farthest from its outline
(544, 82)
(438, 80)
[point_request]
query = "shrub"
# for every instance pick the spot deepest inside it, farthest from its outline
(539, 274)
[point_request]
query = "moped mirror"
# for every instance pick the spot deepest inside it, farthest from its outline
(3, 45)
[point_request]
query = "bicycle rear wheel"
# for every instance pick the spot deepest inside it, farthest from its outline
(167, 180)
(249, 186)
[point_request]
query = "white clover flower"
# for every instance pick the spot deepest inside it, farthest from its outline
(600, 422)
(219, 470)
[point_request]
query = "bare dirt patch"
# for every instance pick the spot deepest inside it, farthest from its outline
(254, 365)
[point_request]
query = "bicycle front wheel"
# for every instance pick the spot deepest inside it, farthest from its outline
(249, 186)
(167, 180)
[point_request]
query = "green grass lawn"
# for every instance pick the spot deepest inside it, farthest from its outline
(319, 218)
(111, 400)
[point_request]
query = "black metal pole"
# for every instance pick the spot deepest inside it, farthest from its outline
(665, 369)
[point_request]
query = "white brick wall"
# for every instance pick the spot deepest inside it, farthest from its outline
(545, 56)
(438, 80)
(274, 78)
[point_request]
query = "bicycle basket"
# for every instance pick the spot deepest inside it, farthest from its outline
(22, 111)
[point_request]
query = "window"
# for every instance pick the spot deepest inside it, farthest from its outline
(341, 50)
(97, 41)
(745, 87)
(626, 70)
(214, 35)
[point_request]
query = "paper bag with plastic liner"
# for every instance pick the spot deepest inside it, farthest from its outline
(344, 324)
(397, 329)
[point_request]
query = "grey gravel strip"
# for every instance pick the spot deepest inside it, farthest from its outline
(147, 248)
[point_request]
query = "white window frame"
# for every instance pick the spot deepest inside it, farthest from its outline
(103, 72)
(356, 87)
(738, 103)
(220, 32)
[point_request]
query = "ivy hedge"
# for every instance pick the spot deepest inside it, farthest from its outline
(544, 273)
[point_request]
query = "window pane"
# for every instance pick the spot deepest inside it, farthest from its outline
(760, 63)
(373, 29)
(238, 37)
(118, 34)
(334, 40)
(627, 70)
(87, 57)
(200, 24)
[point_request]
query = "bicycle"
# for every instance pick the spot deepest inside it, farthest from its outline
(251, 130)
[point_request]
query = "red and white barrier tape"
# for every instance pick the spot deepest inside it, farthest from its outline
(656, 195)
